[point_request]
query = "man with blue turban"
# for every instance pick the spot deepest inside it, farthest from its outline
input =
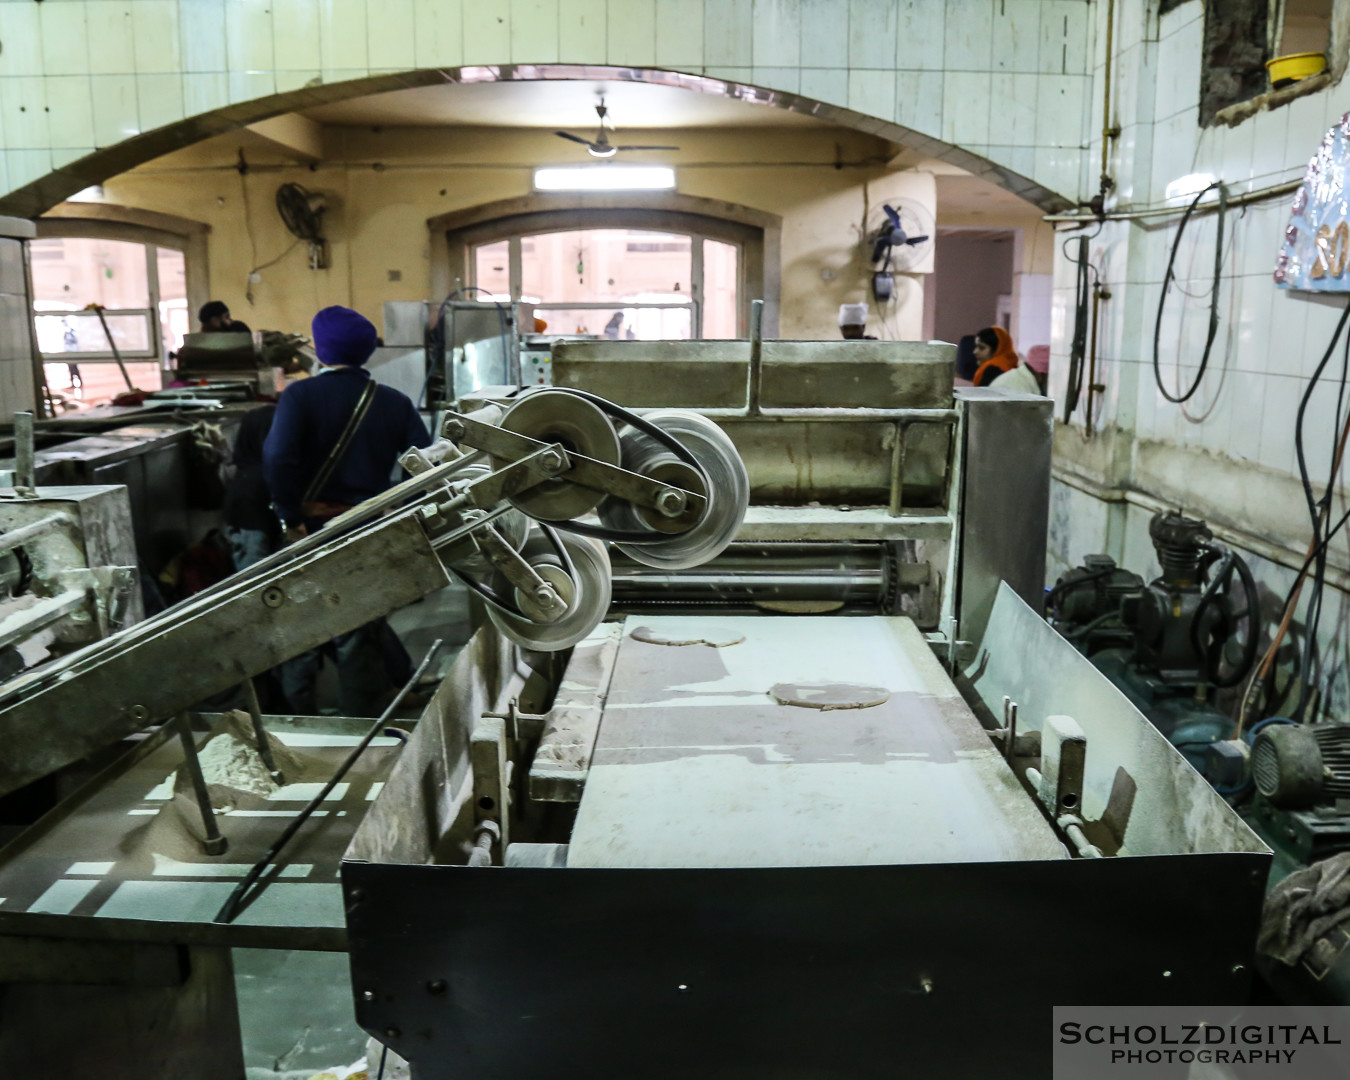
(335, 442)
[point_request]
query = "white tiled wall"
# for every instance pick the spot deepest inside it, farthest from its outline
(1007, 79)
(1228, 454)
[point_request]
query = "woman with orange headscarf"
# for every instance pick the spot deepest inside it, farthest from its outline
(994, 351)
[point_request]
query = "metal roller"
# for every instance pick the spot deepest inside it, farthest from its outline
(856, 575)
(554, 416)
(728, 494)
(587, 594)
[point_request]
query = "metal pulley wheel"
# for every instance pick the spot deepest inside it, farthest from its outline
(728, 492)
(554, 416)
(586, 593)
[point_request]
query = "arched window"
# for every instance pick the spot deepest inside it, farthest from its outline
(620, 272)
(145, 270)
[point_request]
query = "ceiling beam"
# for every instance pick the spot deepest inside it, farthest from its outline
(293, 134)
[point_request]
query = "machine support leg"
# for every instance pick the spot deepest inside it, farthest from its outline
(898, 469)
(25, 470)
(259, 732)
(214, 844)
(756, 373)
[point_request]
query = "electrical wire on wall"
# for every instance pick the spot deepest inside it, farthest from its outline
(243, 168)
(1169, 276)
(1081, 297)
(1319, 510)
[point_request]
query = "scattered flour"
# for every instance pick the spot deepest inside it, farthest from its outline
(233, 769)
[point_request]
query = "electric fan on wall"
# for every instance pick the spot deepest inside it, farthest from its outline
(900, 241)
(302, 213)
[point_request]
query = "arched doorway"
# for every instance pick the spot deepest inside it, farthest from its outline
(41, 194)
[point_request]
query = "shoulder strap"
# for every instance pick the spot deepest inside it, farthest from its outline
(344, 440)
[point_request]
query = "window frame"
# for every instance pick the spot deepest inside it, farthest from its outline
(155, 331)
(694, 304)
(750, 241)
(1337, 55)
(105, 221)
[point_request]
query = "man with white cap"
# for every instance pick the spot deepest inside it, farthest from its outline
(853, 321)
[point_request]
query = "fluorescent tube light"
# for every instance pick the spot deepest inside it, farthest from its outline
(605, 178)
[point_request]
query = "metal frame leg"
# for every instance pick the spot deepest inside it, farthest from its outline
(214, 844)
(260, 732)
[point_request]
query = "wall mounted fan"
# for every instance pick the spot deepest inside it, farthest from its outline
(302, 213)
(899, 243)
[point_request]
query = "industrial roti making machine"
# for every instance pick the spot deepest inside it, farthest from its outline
(761, 762)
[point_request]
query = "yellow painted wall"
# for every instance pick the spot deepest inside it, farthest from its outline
(383, 184)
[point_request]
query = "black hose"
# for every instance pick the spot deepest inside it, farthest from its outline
(1315, 505)
(1314, 621)
(234, 901)
(1213, 296)
(1087, 628)
(1078, 346)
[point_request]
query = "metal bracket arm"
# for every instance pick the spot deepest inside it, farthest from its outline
(666, 499)
(518, 572)
(543, 462)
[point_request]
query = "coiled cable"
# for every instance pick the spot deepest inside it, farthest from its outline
(1168, 277)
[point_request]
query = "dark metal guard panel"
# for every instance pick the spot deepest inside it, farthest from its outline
(1005, 504)
(782, 974)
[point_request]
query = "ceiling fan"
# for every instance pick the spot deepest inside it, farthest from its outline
(600, 146)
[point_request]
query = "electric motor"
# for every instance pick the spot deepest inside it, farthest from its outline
(1297, 766)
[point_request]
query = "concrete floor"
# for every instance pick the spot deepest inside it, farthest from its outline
(295, 1013)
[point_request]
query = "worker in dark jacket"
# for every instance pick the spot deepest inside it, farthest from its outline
(312, 479)
(252, 524)
(310, 419)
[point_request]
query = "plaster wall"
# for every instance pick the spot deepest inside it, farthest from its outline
(383, 185)
(971, 271)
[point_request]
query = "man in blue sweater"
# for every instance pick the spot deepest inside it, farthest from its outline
(312, 479)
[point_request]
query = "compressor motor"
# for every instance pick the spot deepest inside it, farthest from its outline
(1168, 643)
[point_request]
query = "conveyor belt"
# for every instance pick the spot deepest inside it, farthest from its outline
(696, 765)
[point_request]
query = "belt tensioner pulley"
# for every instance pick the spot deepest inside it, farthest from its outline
(668, 489)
